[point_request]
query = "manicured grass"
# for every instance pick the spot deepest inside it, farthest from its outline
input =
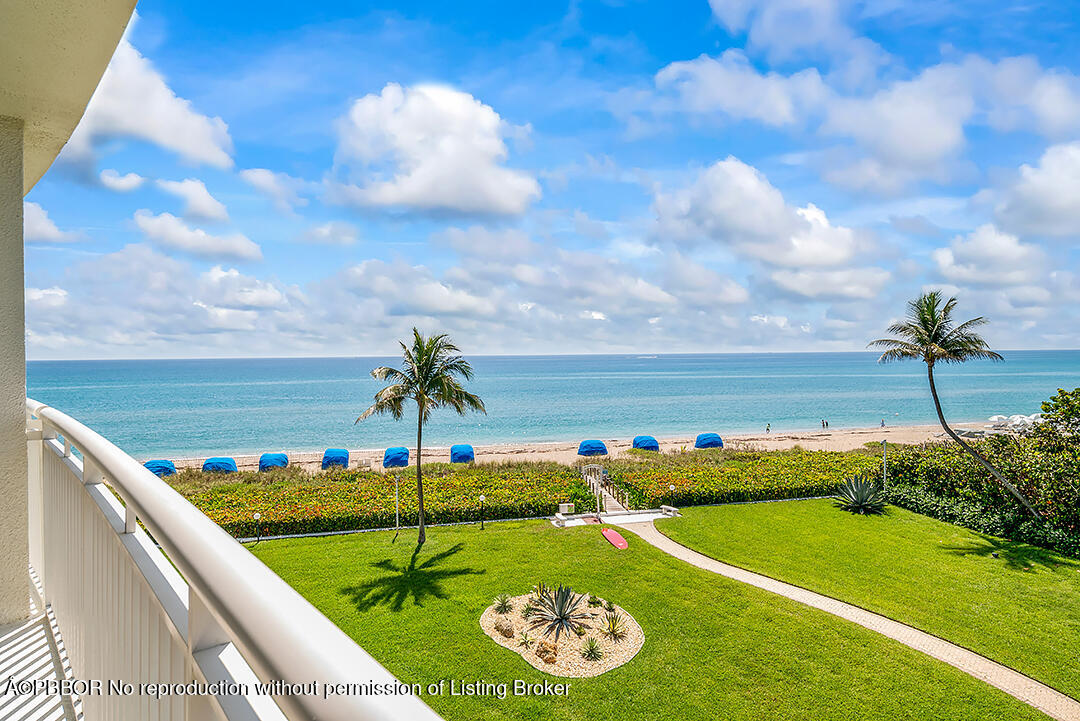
(713, 648)
(1021, 609)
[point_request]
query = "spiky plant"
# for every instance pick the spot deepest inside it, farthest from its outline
(540, 589)
(503, 604)
(594, 602)
(590, 650)
(526, 640)
(558, 611)
(614, 627)
(527, 610)
(609, 605)
(860, 495)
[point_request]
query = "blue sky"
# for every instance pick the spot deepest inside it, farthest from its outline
(274, 180)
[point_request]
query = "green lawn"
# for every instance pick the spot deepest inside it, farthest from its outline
(1021, 609)
(713, 648)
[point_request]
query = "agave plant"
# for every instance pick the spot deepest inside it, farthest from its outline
(613, 627)
(526, 640)
(503, 605)
(527, 610)
(609, 605)
(590, 650)
(558, 611)
(860, 495)
(540, 589)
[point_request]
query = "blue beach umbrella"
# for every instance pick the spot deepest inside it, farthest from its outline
(335, 457)
(592, 448)
(709, 440)
(462, 453)
(161, 468)
(219, 464)
(396, 457)
(646, 443)
(273, 460)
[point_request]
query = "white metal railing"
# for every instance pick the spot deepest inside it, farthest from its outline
(215, 614)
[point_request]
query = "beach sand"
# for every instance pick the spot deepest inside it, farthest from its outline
(840, 439)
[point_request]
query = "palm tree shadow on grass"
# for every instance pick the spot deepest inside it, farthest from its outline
(402, 581)
(1017, 556)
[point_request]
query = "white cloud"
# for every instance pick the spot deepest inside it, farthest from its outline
(860, 283)
(733, 204)
(990, 257)
(507, 244)
(729, 84)
(198, 203)
(46, 298)
(407, 290)
(121, 183)
(38, 227)
(335, 232)
(1043, 200)
(170, 232)
(231, 289)
(700, 287)
(133, 100)
(430, 147)
(282, 188)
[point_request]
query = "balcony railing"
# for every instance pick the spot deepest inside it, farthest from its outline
(183, 603)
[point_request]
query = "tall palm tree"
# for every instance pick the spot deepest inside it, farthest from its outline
(428, 376)
(930, 334)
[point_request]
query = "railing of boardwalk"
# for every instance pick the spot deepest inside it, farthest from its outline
(215, 614)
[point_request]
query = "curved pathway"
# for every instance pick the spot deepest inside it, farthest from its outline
(1053, 703)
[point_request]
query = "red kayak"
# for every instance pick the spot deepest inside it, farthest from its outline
(615, 539)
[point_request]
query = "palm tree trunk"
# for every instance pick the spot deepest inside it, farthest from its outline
(419, 475)
(972, 452)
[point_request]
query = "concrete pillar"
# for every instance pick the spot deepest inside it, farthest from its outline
(14, 547)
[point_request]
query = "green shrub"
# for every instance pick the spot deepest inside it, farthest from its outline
(503, 604)
(590, 650)
(558, 611)
(614, 627)
(860, 495)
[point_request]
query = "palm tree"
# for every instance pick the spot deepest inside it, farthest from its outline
(930, 334)
(429, 376)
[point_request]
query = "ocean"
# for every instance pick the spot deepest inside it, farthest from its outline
(182, 408)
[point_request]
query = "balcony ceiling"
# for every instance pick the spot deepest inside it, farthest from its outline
(52, 55)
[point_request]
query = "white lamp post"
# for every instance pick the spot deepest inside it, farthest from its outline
(482, 499)
(672, 489)
(258, 531)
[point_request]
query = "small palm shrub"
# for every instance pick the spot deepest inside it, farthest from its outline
(579, 630)
(590, 650)
(503, 604)
(525, 640)
(594, 602)
(527, 611)
(609, 606)
(860, 495)
(614, 627)
(558, 611)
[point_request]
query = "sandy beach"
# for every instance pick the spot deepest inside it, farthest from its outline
(841, 439)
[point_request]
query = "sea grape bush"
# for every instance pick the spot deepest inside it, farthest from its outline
(339, 500)
(707, 476)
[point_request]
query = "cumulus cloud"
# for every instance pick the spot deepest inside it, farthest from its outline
(505, 244)
(861, 283)
(281, 188)
(233, 290)
(729, 84)
(121, 183)
(38, 227)
(169, 231)
(990, 257)
(133, 100)
(430, 147)
(733, 204)
(1043, 199)
(198, 203)
(336, 232)
(46, 298)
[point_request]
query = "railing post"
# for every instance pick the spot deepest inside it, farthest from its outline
(203, 632)
(36, 435)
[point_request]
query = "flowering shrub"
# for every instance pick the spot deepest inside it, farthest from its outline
(707, 476)
(338, 500)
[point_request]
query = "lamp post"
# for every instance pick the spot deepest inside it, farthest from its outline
(482, 499)
(258, 531)
(672, 489)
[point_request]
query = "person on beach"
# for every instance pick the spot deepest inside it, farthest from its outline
(768, 427)
(882, 422)
(822, 424)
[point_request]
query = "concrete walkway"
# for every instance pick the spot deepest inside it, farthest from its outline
(1053, 703)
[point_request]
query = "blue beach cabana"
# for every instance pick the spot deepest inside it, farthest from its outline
(592, 448)
(273, 460)
(335, 457)
(462, 453)
(219, 464)
(396, 457)
(709, 440)
(646, 443)
(161, 469)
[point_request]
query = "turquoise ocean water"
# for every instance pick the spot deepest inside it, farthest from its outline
(176, 408)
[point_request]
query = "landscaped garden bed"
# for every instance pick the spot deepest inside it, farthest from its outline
(563, 633)
(293, 501)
